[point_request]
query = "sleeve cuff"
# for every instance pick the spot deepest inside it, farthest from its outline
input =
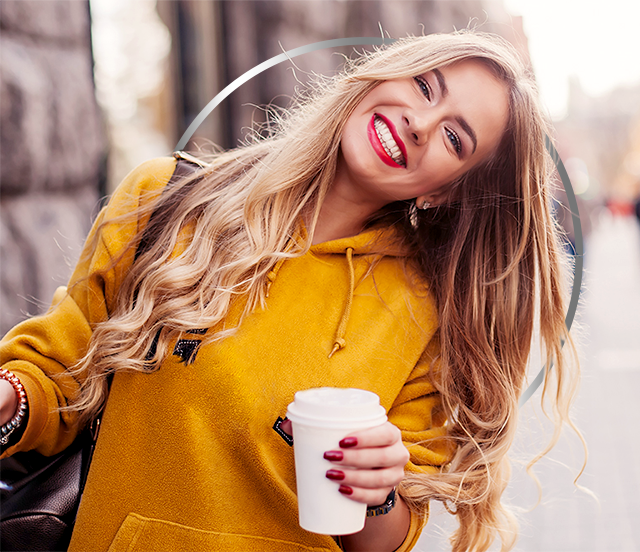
(34, 423)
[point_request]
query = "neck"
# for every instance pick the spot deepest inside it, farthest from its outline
(343, 213)
(334, 224)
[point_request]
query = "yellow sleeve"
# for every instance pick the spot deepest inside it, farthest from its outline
(41, 349)
(419, 415)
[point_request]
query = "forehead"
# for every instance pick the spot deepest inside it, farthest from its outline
(475, 93)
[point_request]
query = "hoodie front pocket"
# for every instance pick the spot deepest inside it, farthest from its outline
(141, 534)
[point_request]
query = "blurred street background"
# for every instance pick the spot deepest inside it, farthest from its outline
(90, 89)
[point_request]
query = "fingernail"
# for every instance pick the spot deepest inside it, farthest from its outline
(345, 490)
(333, 455)
(349, 442)
(335, 475)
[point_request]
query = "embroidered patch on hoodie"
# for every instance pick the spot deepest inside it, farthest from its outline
(287, 438)
(187, 349)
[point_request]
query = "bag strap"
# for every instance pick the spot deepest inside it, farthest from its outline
(186, 165)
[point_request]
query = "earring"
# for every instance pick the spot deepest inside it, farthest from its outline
(424, 205)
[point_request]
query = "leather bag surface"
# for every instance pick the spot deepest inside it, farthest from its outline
(39, 510)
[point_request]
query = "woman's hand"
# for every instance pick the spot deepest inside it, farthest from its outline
(8, 401)
(369, 464)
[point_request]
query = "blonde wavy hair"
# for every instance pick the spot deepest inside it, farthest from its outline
(491, 254)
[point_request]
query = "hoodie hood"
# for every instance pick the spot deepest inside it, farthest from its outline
(375, 242)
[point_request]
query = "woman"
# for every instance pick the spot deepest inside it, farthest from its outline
(393, 234)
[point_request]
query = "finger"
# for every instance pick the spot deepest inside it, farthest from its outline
(367, 479)
(371, 497)
(381, 436)
(370, 458)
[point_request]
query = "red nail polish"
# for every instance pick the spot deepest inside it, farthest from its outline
(349, 442)
(345, 490)
(335, 475)
(333, 455)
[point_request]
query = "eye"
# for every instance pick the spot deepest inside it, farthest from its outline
(455, 140)
(424, 86)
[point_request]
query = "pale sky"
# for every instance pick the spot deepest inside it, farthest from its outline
(596, 40)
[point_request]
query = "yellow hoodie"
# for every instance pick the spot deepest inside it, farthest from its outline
(188, 458)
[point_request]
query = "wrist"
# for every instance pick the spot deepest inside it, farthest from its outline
(8, 401)
(381, 533)
(14, 404)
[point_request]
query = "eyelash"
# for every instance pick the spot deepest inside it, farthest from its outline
(458, 144)
(424, 87)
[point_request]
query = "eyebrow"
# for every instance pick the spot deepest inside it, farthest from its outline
(462, 122)
(441, 82)
(465, 126)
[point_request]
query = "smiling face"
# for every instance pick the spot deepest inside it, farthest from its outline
(412, 137)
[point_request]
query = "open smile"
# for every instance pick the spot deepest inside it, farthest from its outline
(386, 142)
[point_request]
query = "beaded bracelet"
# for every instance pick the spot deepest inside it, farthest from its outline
(8, 428)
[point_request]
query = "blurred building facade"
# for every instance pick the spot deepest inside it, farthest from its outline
(596, 140)
(628, 177)
(599, 143)
(52, 149)
(94, 87)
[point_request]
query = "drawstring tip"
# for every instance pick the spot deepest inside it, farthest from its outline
(339, 344)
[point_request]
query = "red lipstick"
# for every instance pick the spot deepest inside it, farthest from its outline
(377, 145)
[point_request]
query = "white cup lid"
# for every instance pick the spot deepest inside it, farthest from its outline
(334, 406)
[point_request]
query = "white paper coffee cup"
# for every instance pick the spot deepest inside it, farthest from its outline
(321, 418)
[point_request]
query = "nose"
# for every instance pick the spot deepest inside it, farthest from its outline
(418, 124)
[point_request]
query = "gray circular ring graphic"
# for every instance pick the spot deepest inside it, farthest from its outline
(372, 41)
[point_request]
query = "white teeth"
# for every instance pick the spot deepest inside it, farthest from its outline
(387, 141)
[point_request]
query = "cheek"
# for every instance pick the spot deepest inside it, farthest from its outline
(440, 168)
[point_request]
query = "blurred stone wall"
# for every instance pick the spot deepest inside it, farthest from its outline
(52, 149)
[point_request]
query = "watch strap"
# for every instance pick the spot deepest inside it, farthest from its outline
(385, 507)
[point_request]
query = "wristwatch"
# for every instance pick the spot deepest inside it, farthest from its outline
(385, 507)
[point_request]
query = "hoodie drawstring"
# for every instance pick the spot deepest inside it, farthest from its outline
(340, 342)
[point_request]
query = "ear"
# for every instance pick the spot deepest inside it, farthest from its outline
(425, 201)
(433, 199)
